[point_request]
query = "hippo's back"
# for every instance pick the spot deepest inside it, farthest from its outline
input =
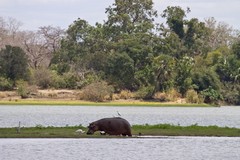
(115, 126)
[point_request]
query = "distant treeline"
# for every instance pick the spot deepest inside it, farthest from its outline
(131, 50)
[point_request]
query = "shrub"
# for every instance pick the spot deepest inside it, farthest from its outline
(173, 95)
(160, 96)
(58, 81)
(3, 95)
(25, 90)
(145, 92)
(96, 91)
(71, 80)
(125, 94)
(211, 96)
(22, 88)
(231, 94)
(42, 78)
(5, 84)
(192, 97)
(87, 79)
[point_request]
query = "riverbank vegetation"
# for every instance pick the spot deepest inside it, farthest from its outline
(133, 54)
(137, 130)
(70, 97)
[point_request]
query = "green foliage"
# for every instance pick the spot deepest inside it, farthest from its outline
(211, 96)
(174, 16)
(193, 97)
(203, 78)
(229, 69)
(13, 63)
(130, 17)
(96, 91)
(231, 93)
(145, 92)
(5, 84)
(163, 66)
(71, 80)
(183, 70)
(57, 81)
(120, 70)
(88, 79)
(236, 49)
(43, 77)
(22, 88)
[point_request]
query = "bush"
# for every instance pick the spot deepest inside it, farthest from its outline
(71, 80)
(145, 92)
(88, 79)
(173, 95)
(5, 84)
(22, 88)
(160, 96)
(231, 94)
(192, 97)
(58, 81)
(211, 96)
(125, 94)
(96, 92)
(43, 78)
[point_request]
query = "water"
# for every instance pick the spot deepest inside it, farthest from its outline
(76, 115)
(171, 148)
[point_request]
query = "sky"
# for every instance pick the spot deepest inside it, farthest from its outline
(36, 13)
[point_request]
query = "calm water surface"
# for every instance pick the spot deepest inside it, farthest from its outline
(75, 115)
(171, 148)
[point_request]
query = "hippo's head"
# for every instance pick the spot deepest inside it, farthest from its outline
(93, 127)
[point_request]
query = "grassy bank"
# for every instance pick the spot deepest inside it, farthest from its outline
(156, 130)
(87, 103)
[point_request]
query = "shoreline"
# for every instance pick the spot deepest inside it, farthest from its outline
(88, 103)
(70, 97)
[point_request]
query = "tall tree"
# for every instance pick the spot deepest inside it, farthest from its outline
(13, 63)
(130, 16)
(175, 19)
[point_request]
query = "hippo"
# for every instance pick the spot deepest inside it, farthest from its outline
(111, 126)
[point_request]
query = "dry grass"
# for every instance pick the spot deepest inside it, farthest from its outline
(72, 97)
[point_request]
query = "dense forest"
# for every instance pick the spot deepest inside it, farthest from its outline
(130, 51)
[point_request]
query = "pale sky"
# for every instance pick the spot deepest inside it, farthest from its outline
(36, 13)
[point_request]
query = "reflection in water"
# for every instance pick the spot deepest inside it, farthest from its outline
(181, 148)
(75, 115)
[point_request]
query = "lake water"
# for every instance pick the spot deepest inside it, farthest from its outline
(168, 148)
(76, 115)
(163, 148)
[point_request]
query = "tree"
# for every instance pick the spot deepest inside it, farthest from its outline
(221, 34)
(131, 16)
(193, 34)
(41, 45)
(163, 66)
(236, 49)
(13, 63)
(120, 70)
(183, 69)
(175, 19)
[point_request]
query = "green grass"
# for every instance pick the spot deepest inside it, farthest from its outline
(87, 103)
(155, 130)
(193, 130)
